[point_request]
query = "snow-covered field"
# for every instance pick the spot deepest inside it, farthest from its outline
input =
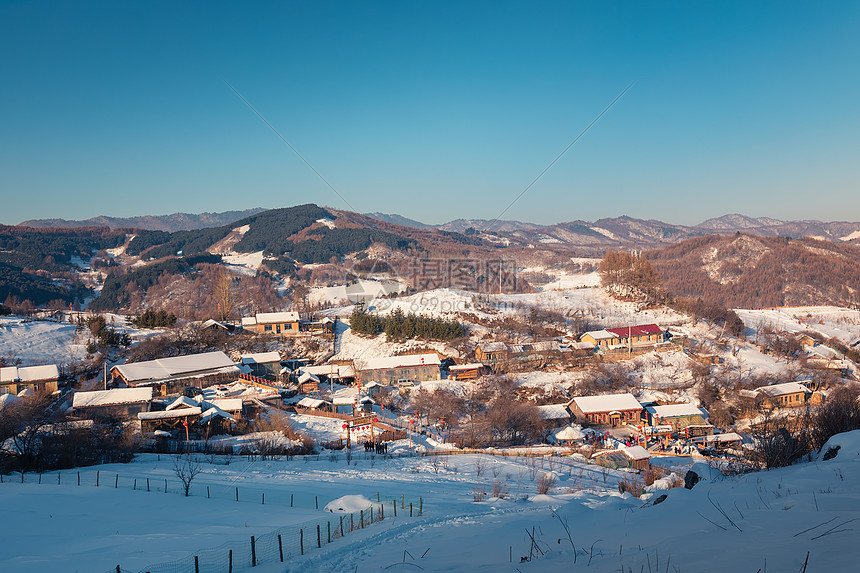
(829, 321)
(769, 520)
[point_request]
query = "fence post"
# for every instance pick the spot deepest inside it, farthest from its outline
(319, 544)
(117, 569)
(371, 514)
(328, 526)
(237, 494)
(207, 492)
(135, 484)
(264, 499)
(316, 502)
(116, 483)
(165, 485)
(230, 561)
(341, 526)
(420, 506)
(196, 565)
(302, 541)
(280, 548)
(381, 512)
(362, 519)
(351, 522)
(394, 503)
(377, 496)
(253, 552)
(401, 501)
(97, 478)
(147, 484)
(291, 500)
(410, 509)
(79, 478)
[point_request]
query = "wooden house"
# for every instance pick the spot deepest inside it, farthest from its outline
(170, 375)
(322, 327)
(263, 364)
(467, 371)
(174, 421)
(16, 379)
(401, 370)
(122, 403)
(613, 410)
(720, 441)
(786, 395)
(276, 323)
(491, 352)
(627, 336)
(684, 418)
(635, 457)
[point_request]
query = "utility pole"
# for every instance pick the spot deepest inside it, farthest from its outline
(105, 364)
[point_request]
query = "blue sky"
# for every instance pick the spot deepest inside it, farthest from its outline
(435, 111)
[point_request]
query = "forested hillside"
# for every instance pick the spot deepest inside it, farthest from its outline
(745, 271)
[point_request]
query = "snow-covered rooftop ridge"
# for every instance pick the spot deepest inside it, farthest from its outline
(175, 366)
(553, 411)
(470, 366)
(782, 389)
(111, 397)
(276, 317)
(181, 413)
(29, 373)
(405, 361)
(226, 404)
(606, 403)
(600, 334)
(308, 402)
(636, 453)
(261, 358)
(249, 321)
(673, 410)
(492, 346)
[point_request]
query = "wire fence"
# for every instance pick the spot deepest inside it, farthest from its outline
(285, 543)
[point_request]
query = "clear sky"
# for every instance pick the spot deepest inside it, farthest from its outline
(433, 110)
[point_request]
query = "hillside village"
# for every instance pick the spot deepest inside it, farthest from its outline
(595, 371)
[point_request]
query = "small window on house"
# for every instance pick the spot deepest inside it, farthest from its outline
(268, 328)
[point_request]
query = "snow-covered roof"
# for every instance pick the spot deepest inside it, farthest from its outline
(261, 358)
(677, 410)
(464, 367)
(330, 370)
(492, 346)
(211, 413)
(727, 437)
(344, 396)
(212, 322)
(406, 361)
(599, 334)
(553, 412)
(306, 377)
(29, 373)
(111, 397)
(175, 366)
(569, 433)
(183, 402)
(276, 317)
(608, 403)
(584, 345)
(248, 321)
(636, 453)
(782, 389)
(169, 414)
(308, 402)
(227, 404)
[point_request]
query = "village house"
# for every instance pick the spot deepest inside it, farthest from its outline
(683, 418)
(613, 410)
(170, 375)
(401, 370)
(277, 323)
(263, 364)
(627, 336)
(491, 352)
(785, 395)
(467, 371)
(15, 379)
(121, 403)
(723, 441)
(322, 327)
(554, 415)
(635, 457)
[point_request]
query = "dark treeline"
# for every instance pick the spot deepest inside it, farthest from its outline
(400, 326)
(154, 319)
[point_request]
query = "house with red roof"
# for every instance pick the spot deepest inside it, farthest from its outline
(625, 336)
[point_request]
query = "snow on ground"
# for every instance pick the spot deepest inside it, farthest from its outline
(363, 289)
(47, 342)
(722, 524)
(564, 281)
(829, 321)
(245, 263)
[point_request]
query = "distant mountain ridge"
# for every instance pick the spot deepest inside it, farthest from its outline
(169, 223)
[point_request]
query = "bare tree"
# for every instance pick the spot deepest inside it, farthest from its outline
(224, 295)
(186, 468)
